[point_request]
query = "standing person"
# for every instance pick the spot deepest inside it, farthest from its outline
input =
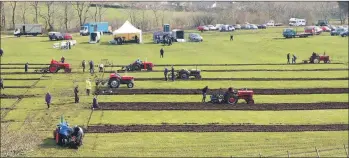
(294, 59)
(62, 59)
(169, 41)
(172, 73)
(2, 83)
(1, 52)
(204, 91)
(26, 67)
(69, 45)
(288, 58)
(94, 103)
(88, 87)
(91, 67)
(165, 73)
(162, 53)
(76, 92)
(48, 99)
(231, 37)
(83, 64)
(136, 38)
(101, 66)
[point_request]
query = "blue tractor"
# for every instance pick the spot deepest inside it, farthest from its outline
(66, 136)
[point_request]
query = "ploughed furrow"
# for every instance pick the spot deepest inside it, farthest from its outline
(22, 67)
(120, 91)
(221, 64)
(22, 79)
(25, 73)
(22, 64)
(238, 70)
(146, 106)
(23, 87)
(247, 79)
(16, 96)
(214, 128)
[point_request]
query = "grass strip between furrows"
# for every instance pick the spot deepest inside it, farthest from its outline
(294, 117)
(304, 98)
(147, 106)
(185, 144)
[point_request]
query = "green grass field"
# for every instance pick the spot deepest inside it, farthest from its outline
(260, 46)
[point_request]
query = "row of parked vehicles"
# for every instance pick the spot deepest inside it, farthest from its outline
(316, 30)
(223, 27)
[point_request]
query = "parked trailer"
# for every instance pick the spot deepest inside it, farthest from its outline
(88, 28)
(291, 33)
(27, 29)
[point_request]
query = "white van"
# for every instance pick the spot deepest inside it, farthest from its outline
(297, 22)
(270, 23)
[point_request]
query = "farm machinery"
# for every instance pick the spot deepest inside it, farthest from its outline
(54, 67)
(67, 136)
(139, 65)
(185, 74)
(232, 97)
(316, 58)
(115, 80)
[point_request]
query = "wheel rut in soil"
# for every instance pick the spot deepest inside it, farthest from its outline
(214, 128)
(121, 91)
(149, 106)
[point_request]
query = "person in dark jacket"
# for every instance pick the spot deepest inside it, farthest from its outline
(231, 37)
(91, 67)
(94, 103)
(2, 83)
(172, 73)
(76, 92)
(1, 52)
(165, 73)
(161, 53)
(294, 59)
(48, 99)
(169, 41)
(288, 58)
(136, 38)
(62, 59)
(204, 91)
(26, 67)
(83, 64)
(69, 45)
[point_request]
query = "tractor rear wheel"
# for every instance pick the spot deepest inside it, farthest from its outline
(232, 100)
(136, 67)
(184, 76)
(114, 83)
(130, 85)
(316, 61)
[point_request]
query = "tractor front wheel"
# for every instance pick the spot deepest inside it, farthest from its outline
(130, 85)
(149, 68)
(198, 76)
(249, 101)
(114, 83)
(232, 100)
(67, 70)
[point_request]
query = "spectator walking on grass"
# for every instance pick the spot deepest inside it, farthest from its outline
(48, 99)
(94, 103)
(288, 58)
(162, 53)
(165, 73)
(204, 91)
(83, 64)
(26, 65)
(172, 74)
(1, 52)
(91, 67)
(294, 59)
(76, 92)
(88, 87)
(1, 83)
(231, 37)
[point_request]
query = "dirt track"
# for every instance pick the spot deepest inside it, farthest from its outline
(146, 106)
(16, 96)
(214, 128)
(20, 87)
(23, 79)
(247, 79)
(122, 91)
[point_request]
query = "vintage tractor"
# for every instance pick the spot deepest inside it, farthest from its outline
(54, 67)
(316, 58)
(66, 136)
(232, 97)
(138, 66)
(185, 74)
(115, 80)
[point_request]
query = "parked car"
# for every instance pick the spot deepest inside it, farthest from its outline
(67, 36)
(325, 29)
(55, 36)
(332, 27)
(194, 37)
(253, 26)
(309, 30)
(245, 27)
(225, 28)
(237, 27)
(270, 23)
(318, 30)
(211, 27)
(218, 26)
(279, 24)
(263, 26)
(344, 34)
(203, 28)
(338, 31)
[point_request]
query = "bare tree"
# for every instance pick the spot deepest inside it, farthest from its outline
(343, 10)
(13, 6)
(82, 9)
(133, 15)
(155, 8)
(24, 9)
(35, 5)
(3, 16)
(48, 17)
(68, 13)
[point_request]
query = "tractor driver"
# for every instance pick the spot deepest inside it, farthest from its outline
(313, 56)
(78, 133)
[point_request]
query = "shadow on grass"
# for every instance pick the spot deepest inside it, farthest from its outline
(51, 143)
(279, 38)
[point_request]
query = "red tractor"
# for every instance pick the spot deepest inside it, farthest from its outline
(139, 65)
(115, 80)
(316, 58)
(55, 66)
(232, 97)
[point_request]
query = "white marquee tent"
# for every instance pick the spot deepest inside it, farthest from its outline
(128, 28)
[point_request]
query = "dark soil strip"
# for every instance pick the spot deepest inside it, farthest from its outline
(22, 64)
(19, 87)
(146, 106)
(217, 64)
(21, 67)
(25, 73)
(215, 128)
(120, 91)
(242, 70)
(16, 96)
(248, 79)
(22, 79)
